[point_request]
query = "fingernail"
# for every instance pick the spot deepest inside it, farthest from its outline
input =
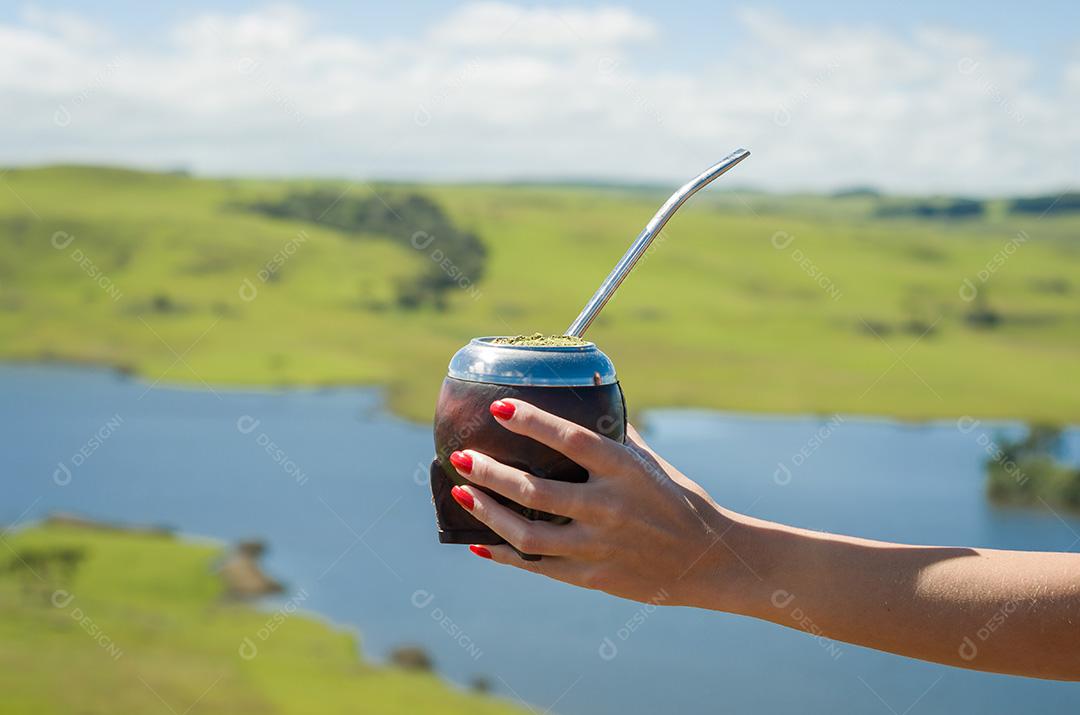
(462, 461)
(462, 497)
(480, 551)
(502, 410)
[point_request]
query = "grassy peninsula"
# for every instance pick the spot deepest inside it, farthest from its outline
(111, 622)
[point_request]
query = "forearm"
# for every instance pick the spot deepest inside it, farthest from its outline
(641, 527)
(1004, 611)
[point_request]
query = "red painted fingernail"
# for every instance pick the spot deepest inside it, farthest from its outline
(502, 410)
(462, 461)
(462, 497)
(480, 551)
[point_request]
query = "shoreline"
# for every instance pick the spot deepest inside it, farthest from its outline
(639, 414)
(279, 595)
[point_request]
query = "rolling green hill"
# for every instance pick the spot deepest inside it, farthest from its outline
(137, 624)
(749, 301)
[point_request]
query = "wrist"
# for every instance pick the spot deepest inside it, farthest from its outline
(741, 564)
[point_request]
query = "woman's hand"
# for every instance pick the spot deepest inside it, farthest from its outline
(641, 529)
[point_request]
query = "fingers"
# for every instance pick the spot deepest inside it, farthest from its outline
(594, 452)
(560, 569)
(530, 537)
(553, 497)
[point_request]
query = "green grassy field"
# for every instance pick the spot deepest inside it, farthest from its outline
(749, 302)
(141, 627)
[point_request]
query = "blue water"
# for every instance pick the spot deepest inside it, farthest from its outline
(343, 502)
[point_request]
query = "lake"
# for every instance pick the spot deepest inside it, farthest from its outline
(337, 487)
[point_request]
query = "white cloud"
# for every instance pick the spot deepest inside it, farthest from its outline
(497, 24)
(277, 28)
(69, 26)
(494, 90)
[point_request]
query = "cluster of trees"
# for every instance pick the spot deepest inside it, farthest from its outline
(1051, 204)
(1028, 471)
(857, 192)
(933, 208)
(453, 258)
(968, 208)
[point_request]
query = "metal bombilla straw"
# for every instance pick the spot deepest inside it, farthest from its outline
(641, 244)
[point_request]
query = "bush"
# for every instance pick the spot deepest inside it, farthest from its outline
(1028, 471)
(412, 657)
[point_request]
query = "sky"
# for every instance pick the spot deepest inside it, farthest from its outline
(914, 97)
